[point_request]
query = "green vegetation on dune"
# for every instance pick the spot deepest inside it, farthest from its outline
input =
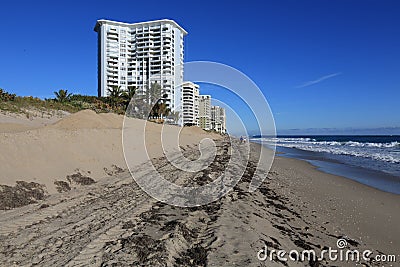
(5, 96)
(22, 104)
(117, 102)
(63, 101)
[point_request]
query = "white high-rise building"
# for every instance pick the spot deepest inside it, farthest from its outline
(138, 54)
(218, 119)
(205, 112)
(190, 104)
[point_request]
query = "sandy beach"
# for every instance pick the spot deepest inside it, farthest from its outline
(67, 199)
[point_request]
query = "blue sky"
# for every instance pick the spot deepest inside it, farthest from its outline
(320, 64)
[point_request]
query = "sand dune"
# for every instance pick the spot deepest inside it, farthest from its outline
(32, 119)
(6, 127)
(88, 119)
(84, 142)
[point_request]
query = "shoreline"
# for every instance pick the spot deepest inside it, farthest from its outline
(380, 180)
(354, 207)
(321, 169)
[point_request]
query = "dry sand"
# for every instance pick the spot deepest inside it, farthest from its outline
(32, 119)
(111, 221)
(84, 142)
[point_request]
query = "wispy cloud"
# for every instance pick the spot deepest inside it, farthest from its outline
(323, 78)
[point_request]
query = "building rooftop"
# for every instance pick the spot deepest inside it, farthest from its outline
(189, 83)
(149, 23)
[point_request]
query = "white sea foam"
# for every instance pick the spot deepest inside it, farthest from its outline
(388, 152)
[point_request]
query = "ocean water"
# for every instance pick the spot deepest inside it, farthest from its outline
(372, 160)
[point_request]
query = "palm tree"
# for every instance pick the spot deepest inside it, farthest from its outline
(128, 94)
(154, 93)
(62, 95)
(115, 95)
(114, 91)
(160, 109)
(163, 110)
(153, 112)
(152, 96)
